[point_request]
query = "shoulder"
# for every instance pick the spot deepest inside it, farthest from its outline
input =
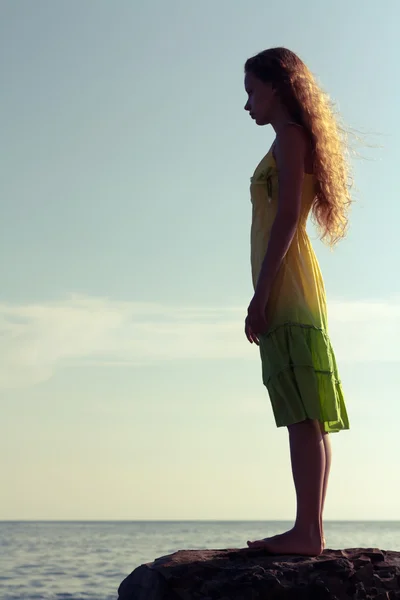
(293, 149)
(292, 138)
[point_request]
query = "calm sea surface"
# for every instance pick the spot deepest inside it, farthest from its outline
(87, 560)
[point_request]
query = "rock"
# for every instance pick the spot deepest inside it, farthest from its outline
(244, 574)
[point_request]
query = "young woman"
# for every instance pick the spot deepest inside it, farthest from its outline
(304, 172)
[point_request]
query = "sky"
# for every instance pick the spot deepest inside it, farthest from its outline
(127, 387)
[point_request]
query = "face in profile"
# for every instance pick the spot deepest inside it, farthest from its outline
(261, 99)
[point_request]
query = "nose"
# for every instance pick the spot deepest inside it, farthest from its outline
(246, 106)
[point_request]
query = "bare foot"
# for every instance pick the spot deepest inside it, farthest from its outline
(291, 542)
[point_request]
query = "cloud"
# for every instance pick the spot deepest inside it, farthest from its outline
(37, 339)
(365, 331)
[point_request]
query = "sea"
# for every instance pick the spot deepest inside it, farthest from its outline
(87, 560)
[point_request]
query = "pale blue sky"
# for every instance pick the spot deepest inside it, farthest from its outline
(127, 387)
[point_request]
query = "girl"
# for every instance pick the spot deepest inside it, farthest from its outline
(305, 170)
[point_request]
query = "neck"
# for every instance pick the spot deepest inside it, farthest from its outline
(280, 119)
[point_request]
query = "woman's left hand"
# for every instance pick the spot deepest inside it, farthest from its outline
(256, 322)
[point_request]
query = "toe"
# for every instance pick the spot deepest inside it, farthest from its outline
(256, 544)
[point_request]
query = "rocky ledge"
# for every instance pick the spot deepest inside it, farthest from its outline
(246, 574)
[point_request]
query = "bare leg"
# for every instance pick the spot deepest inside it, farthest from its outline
(307, 452)
(328, 460)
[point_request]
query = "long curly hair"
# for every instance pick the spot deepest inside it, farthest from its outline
(309, 106)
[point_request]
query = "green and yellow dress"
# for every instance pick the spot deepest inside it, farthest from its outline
(298, 363)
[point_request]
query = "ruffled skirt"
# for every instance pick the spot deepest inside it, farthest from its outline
(300, 372)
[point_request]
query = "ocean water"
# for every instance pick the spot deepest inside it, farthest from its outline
(87, 560)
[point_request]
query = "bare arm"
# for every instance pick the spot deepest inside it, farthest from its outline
(291, 148)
